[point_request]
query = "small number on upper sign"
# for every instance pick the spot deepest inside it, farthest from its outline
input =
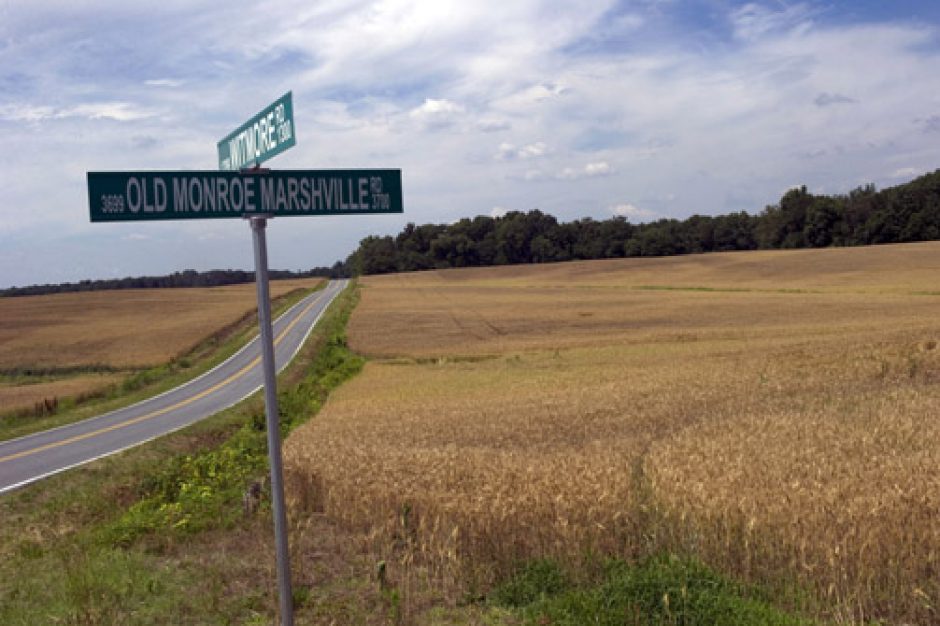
(112, 204)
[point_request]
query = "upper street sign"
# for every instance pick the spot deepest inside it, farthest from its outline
(268, 133)
(130, 196)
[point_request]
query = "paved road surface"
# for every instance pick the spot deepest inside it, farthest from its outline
(36, 456)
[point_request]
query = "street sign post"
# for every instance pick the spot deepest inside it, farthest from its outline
(257, 195)
(268, 133)
(273, 422)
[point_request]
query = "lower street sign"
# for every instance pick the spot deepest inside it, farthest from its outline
(132, 196)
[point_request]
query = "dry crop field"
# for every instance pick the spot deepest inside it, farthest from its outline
(772, 413)
(73, 334)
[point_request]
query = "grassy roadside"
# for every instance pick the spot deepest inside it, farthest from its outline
(159, 534)
(141, 384)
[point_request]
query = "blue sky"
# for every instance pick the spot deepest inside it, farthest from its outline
(644, 108)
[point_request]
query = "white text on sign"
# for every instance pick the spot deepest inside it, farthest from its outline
(246, 194)
(260, 138)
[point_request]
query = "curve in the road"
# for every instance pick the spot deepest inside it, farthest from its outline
(33, 457)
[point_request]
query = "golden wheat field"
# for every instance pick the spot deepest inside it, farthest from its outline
(776, 414)
(119, 330)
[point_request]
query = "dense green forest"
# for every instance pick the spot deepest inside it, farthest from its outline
(864, 216)
(188, 278)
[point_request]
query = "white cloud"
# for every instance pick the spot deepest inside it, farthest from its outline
(526, 99)
(505, 152)
(533, 150)
(118, 111)
(906, 172)
(509, 152)
(25, 113)
(493, 125)
(591, 170)
(632, 212)
(601, 168)
(436, 114)
(164, 82)
(498, 211)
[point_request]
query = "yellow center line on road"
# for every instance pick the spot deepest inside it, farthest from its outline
(180, 404)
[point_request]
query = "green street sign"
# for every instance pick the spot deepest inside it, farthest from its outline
(268, 133)
(135, 196)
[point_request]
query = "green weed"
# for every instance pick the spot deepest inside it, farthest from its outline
(662, 590)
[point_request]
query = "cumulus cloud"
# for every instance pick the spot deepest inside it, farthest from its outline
(591, 170)
(632, 212)
(601, 168)
(509, 152)
(435, 114)
(498, 211)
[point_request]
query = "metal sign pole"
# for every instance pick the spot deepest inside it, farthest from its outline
(258, 225)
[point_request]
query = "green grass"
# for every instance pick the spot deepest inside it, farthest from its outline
(28, 375)
(664, 590)
(143, 383)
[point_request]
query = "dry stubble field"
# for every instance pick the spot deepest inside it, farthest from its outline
(773, 413)
(109, 330)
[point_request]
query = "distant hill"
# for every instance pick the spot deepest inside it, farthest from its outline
(188, 278)
(864, 216)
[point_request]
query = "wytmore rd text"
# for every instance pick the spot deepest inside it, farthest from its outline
(268, 133)
(121, 196)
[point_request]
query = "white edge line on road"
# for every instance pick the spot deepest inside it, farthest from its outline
(311, 327)
(33, 479)
(247, 345)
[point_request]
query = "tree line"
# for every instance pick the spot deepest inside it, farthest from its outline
(187, 278)
(864, 216)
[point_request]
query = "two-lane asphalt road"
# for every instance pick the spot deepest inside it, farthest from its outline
(36, 456)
